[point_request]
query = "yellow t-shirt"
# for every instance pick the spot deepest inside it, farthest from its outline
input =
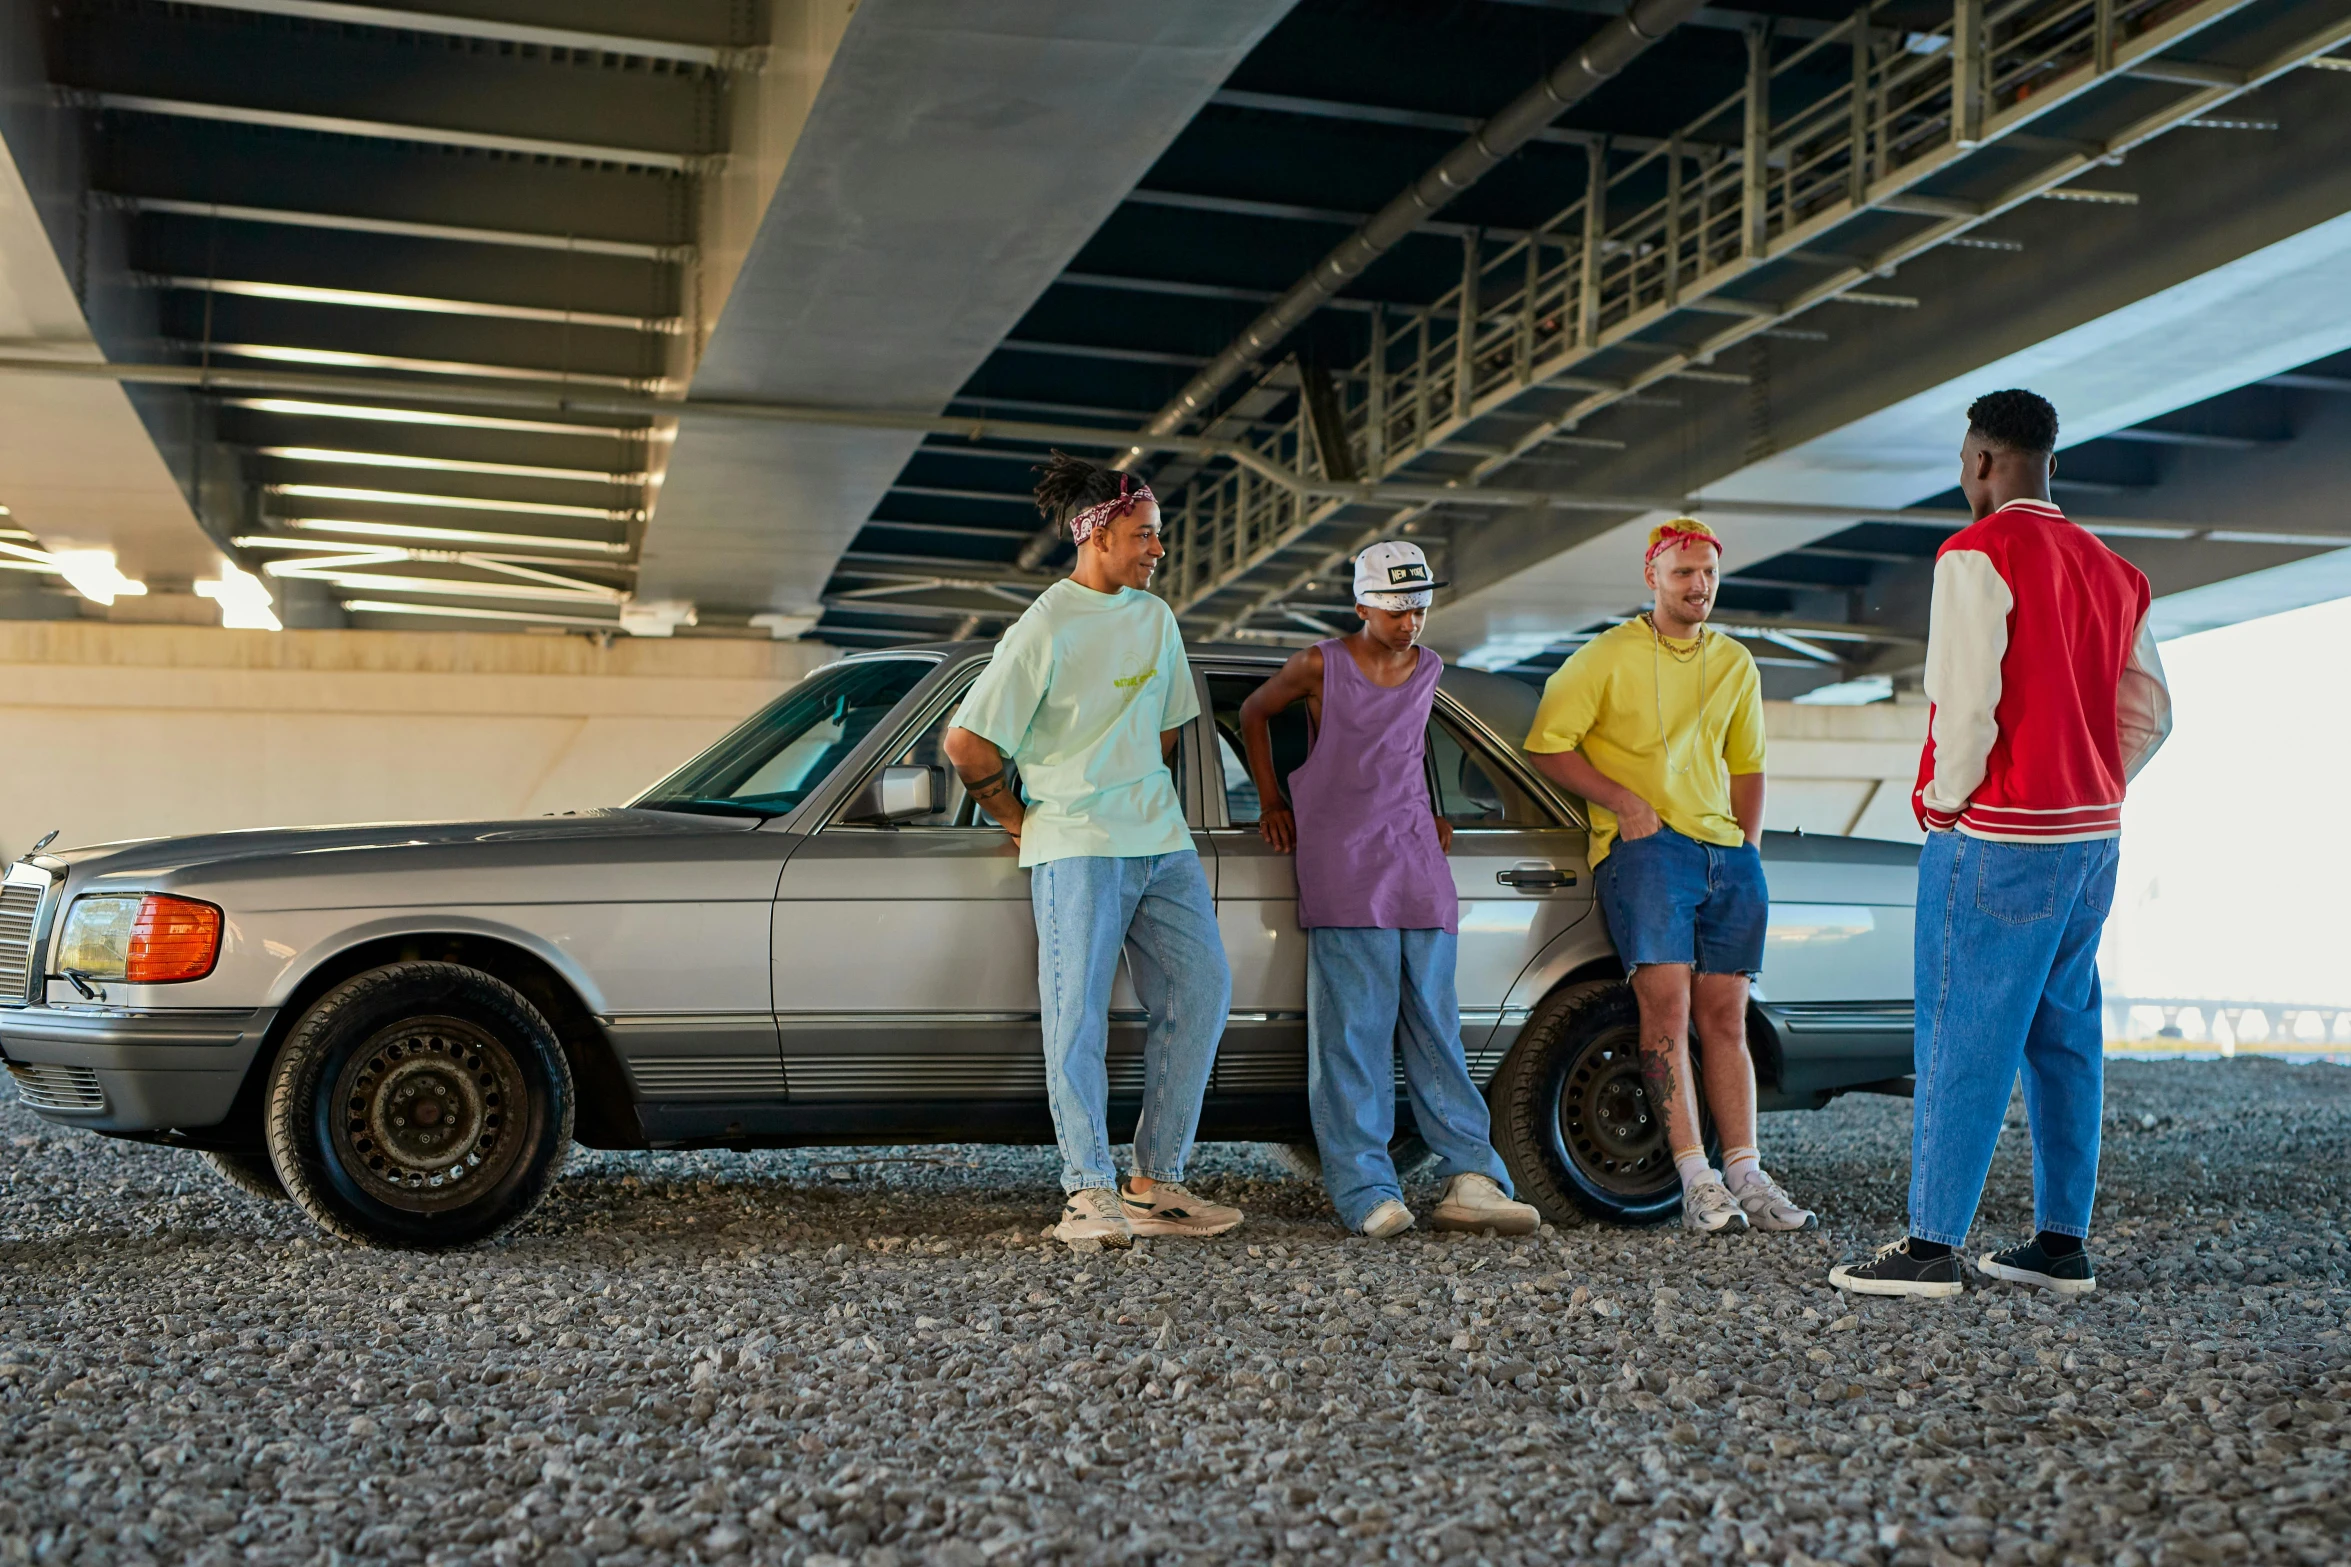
(1607, 702)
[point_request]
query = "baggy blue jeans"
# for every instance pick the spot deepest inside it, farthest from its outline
(2007, 975)
(1158, 910)
(1369, 991)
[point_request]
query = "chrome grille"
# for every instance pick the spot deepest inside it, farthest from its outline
(47, 1087)
(20, 920)
(716, 1077)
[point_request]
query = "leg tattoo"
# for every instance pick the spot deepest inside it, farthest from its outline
(1657, 1075)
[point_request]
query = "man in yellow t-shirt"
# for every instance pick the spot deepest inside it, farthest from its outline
(1658, 724)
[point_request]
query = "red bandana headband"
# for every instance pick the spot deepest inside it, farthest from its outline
(1671, 537)
(1131, 492)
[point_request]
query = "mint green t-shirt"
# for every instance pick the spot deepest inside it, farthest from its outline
(1077, 694)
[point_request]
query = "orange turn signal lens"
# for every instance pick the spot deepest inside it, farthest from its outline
(172, 939)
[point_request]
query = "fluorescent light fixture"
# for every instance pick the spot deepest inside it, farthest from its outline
(278, 541)
(1851, 693)
(292, 218)
(422, 304)
(310, 410)
(461, 612)
(94, 575)
(445, 587)
(655, 617)
(337, 492)
(431, 535)
(783, 627)
(243, 599)
(1511, 648)
(511, 470)
(277, 353)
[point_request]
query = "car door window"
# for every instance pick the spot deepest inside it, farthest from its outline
(929, 749)
(1469, 789)
(956, 806)
(1292, 739)
(770, 763)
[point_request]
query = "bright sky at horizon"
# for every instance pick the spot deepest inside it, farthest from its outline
(2234, 873)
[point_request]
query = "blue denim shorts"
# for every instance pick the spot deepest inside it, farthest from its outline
(1672, 899)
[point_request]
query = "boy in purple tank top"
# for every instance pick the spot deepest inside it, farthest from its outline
(1376, 899)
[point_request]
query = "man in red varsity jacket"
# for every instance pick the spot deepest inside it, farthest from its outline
(2047, 699)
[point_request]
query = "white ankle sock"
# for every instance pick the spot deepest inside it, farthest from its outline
(1741, 1165)
(1691, 1165)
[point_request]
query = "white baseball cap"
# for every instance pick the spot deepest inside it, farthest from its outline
(1394, 574)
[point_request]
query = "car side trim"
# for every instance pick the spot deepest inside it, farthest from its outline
(1117, 1015)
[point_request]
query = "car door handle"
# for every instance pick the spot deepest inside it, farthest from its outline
(1535, 877)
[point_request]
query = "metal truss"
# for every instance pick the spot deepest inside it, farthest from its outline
(1678, 253)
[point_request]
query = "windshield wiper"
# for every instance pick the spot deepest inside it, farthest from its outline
(706, 807)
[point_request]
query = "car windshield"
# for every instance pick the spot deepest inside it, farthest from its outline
(769, 764)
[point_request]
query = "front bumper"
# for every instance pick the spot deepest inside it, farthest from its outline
(110, 1069)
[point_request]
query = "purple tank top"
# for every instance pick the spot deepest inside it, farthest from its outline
(1367, 839)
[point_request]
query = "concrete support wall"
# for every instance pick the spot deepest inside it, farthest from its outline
(1846, 771)
(140, 731)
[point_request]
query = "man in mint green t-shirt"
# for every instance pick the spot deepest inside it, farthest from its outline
(1087, 694)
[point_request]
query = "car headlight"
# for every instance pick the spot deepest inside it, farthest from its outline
(140, 938)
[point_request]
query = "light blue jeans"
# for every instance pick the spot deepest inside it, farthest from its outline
(1157, 909)
(1369, 992)
(2007, 975)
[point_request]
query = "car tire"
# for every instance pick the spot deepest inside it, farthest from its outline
(250, 1173)
(1572, 1119)
(1410, 1154)
(422, 1105)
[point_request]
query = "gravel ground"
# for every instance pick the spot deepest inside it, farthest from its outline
(870, 1356)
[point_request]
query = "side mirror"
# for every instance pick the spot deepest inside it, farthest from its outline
(893, 795)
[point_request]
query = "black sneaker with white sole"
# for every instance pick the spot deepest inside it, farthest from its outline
(2072, 1274)
(1893, 1271)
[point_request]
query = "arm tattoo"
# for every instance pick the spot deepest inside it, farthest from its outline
(982, 788)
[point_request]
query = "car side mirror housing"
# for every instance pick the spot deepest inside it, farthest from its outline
(894, 794)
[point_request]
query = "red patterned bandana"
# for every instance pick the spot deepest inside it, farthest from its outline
(1132, 492)
(1674, 538)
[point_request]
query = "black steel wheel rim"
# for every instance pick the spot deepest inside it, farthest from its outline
(1602, 1127)
(428, 1115)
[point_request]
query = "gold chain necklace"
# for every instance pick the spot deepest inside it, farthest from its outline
(1657, 693)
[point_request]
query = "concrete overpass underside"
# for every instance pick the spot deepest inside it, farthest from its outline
(721, 319)
(2148, 228)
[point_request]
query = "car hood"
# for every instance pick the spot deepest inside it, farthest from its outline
(291, 846)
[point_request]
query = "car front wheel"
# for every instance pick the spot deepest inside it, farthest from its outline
(1572, 1118)
(420, 1105)
(250, 1173)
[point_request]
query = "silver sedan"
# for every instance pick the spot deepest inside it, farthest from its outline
(808, 935)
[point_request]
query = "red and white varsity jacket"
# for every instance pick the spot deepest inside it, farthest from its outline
(2048, 695)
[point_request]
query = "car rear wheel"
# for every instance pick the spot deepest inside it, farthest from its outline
(1572, 1118)
(420, 1105)
(250, 1173)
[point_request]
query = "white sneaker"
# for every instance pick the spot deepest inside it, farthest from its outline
(1094, 1214)
(1709, 1209)
(1388, 1220)
(1476, 1202)
(1168, 1208)
(1769, 1207)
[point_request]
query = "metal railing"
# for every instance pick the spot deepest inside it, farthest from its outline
(1761, 174)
